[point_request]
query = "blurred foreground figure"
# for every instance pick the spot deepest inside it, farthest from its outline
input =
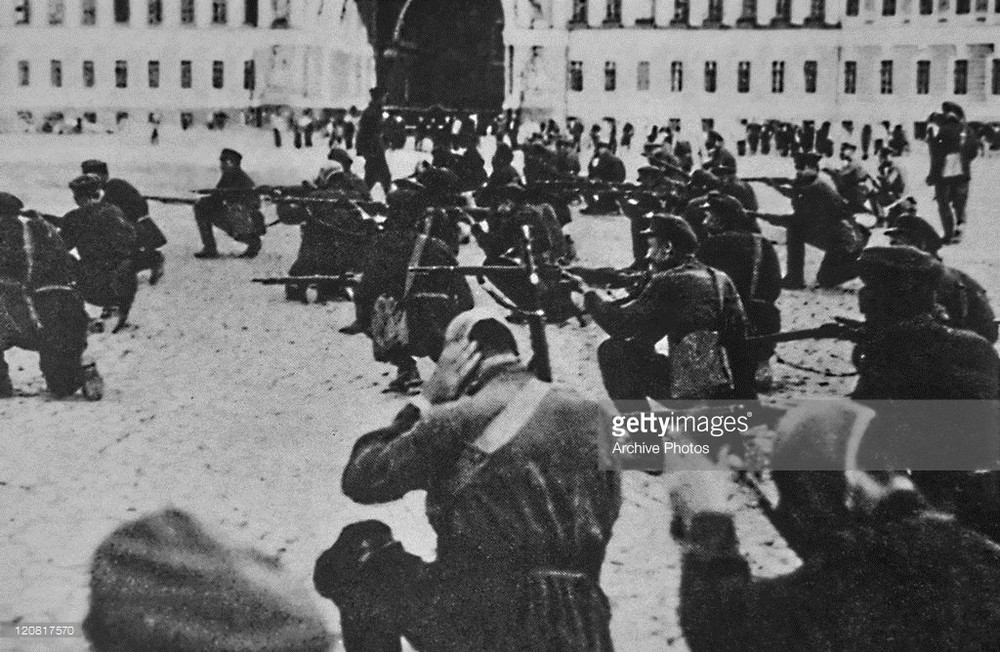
(39, 309)
(521, 511)
(164, 584)
(234, 207)
(879, 567)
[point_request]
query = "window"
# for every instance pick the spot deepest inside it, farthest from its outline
(610, 81)
(676, 76)
(642, 76)
(783, 11)
(251, 13)
(714, 12)
(961, 76)
(579, 12)
(218, 12)
(55, 73)
(185, 74)
(682, 11)
(743, 77)
(249, 75)
(88, 15)
(810, 70)
(963, 6)
(23, 73)
(777, 76)
(281, 10)
(217, 74)
(853, 7)
(982, 6)
(817, 11)
(22, 12)
(122, 11)
(154, 74)
(749, 12)
(995, 79)
(187, 12)
(711, 76)
(923, 77)
(885, 77)
(57, 12)
(576, 76)
(613, 12)
(121, 74)
(154, 12)
(926, 7)
(88, 74)
(850, 77)
(888, 7)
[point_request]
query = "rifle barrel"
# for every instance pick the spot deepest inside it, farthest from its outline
(190, 201)
(469, 270)
(305, 280)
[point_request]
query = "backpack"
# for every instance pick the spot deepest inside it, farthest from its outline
(389, 327)
(699, 363)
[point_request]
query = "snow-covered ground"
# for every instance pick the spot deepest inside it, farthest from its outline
(225, 400)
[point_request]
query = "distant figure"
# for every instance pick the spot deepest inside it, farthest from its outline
(371, 144)
(952, 149)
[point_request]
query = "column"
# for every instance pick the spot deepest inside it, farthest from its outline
(595, 12)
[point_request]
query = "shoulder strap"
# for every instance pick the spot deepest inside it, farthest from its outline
(757, 254)
(418, 252)
(512, 418)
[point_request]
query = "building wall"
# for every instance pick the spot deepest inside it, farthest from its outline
(321, 60)
(646, 34)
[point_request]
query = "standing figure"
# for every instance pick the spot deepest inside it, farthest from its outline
(371, 144)
(106, 243)
(136, 210)
(39, 308)
(234, 208)
(952, 148)
(523, 514)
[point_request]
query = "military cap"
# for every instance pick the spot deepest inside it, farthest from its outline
(917, 230)
(327, 172)
(9, 204)
(94, 166)
(512, 191)
(714, 136)
(952, 107)
(340, 156)
(899, 266)
(377, 92)
(86, 184)
(674, 230)
(728, 209)
(807, 159)
(439, 180)
(231, 154)
(846, 145)
(724, 168)
(650, 171)
(704, 179)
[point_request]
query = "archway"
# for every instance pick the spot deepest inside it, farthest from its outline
(447, 52)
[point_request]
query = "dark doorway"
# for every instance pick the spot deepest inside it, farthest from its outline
(449, 52)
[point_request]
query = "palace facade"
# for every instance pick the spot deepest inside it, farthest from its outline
(180, 57)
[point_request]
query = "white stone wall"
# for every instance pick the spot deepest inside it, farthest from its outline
(868, 38)
(322, 60)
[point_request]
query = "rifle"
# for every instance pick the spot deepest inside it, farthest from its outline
(190, 201)
(347, 278)
(841, 328)
(535, 316)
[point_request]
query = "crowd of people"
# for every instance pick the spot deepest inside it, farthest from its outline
(521, 490)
